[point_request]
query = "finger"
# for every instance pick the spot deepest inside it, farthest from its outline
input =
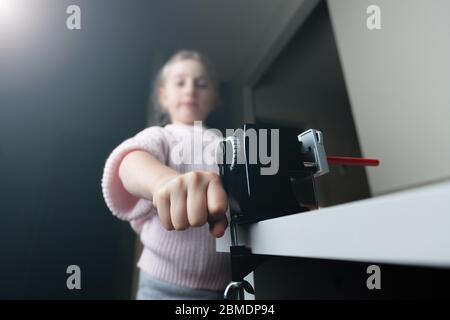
(218, 228)
(178, 212)
(162, 203)
(217, 200)
(197, 210)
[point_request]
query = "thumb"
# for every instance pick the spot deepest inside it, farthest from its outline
(218, 227)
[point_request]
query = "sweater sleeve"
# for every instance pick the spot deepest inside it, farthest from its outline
(121, 203)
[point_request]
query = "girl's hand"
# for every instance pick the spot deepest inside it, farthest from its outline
(191, 200)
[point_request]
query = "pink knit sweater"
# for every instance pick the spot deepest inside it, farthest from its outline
(187, 258)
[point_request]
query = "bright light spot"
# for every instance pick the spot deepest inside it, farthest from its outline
(25, 51)
(9, 13)
(16, 18)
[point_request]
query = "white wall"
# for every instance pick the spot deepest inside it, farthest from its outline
(398, 79)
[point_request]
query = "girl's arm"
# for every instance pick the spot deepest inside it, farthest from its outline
(140, 172)
(182, 200)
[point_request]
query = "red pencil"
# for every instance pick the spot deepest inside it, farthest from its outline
(351, 161)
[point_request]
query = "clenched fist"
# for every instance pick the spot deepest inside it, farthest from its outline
(191, 200)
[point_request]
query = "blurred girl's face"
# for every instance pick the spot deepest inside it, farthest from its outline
(187, 94)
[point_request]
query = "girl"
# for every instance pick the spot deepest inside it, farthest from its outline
(177, 208)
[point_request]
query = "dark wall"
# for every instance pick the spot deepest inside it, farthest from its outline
(67, 98)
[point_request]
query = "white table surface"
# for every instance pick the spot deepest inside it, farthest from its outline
(411, 227)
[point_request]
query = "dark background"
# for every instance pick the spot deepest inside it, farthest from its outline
(64, 106)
